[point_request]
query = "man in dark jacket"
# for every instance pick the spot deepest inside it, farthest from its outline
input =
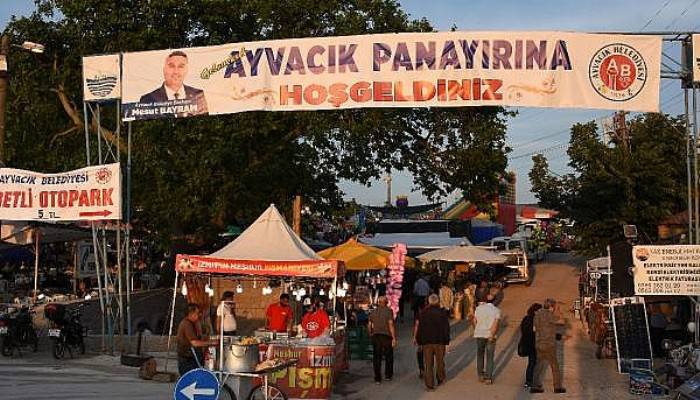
(174, 88)
(432, 332)
(527, 343)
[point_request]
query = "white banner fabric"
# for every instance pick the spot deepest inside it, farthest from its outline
(447, 69)
(92, 193)
(667, 270)
(101, 78)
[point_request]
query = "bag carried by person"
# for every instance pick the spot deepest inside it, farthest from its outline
(522, 348)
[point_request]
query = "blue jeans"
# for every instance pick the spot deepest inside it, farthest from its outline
(487, 346)
(530, 371)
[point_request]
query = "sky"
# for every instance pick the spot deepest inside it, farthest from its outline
(533, 130)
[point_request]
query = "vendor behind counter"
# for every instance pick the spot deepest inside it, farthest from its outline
(280, 316)
(316, 322)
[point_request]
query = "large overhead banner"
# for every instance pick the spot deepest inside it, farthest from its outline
(450, 69)
(667, 270)
(92, 193)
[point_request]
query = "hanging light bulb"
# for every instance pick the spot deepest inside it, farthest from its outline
(255, 283)
(295, 293)
(208, 290)
(302, 292)
(346, 286)
(239, 289)
(184, 289)
(322, 292)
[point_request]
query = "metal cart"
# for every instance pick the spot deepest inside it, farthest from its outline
(251, 385)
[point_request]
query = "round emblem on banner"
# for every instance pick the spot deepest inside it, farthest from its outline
(617, 72)
(103, 175)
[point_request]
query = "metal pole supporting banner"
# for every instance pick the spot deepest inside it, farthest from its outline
(172, 317)
(37, 235)
(696, 210)
(99, 282)
(120, 281)
(87, 133)
(689, 150)
(128, 230)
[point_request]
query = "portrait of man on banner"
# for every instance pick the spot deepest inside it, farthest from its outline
(173, 89)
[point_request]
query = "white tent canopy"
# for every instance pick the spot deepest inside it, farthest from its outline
(463, 254)
(268, 238)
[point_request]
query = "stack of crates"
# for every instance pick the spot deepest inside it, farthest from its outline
(359, 343)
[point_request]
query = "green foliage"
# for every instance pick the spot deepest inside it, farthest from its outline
(193, 177)
(638, 183)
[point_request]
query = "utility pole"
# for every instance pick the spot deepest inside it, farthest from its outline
(4, 85)
(388, 189)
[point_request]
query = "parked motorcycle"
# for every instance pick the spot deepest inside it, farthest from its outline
(66, 331)
(682, 362)
(17, 331)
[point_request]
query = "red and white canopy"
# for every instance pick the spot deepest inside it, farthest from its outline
(268, 247)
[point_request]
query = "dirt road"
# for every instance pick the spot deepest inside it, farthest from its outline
(585, 377)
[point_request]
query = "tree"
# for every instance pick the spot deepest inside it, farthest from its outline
(637, 182)
(546, 186)
(192, 177)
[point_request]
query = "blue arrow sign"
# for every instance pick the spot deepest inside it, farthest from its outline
(198, 384)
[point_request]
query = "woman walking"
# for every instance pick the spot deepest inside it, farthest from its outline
(527, 343)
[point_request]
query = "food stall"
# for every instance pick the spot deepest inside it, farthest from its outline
(594, 305)
(269, 250)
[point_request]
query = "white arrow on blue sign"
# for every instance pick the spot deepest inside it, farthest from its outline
(198, 384)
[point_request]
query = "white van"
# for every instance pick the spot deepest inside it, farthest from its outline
(517, 243)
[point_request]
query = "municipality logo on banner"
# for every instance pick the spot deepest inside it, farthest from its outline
(101, 78)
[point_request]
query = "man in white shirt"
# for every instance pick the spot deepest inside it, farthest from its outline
(486, 319)
(227, 311)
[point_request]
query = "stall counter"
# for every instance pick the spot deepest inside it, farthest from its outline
(316, 370)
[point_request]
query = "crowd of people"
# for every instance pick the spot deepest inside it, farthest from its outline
(433, 306)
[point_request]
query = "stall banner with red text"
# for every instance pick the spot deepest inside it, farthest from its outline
(87, 194)
(667, 270)
(312, 376)
(428, 69)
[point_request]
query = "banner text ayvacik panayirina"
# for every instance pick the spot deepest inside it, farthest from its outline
(401, 56)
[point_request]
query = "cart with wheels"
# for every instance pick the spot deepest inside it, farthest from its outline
(252, 385)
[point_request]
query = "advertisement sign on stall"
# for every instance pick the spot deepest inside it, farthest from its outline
(313, 375)
(445, 69)
(92, 193)
(306, 268)
(667, 270)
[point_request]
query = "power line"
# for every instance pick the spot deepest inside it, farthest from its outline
(540, 151)
(682, 14)
(526, 144)
(656, 15)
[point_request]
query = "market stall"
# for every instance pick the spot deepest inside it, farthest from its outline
(367, 270)
(594, 305)
(271, 254)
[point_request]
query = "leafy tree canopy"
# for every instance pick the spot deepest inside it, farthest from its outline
(193, 177)
(638, 183)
